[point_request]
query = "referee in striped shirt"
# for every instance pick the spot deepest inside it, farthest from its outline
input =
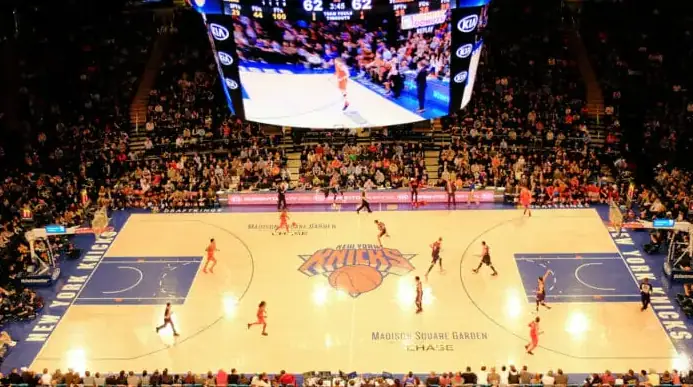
(645, 291)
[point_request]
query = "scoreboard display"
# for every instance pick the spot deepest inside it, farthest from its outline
(330, 10)
(345, 63)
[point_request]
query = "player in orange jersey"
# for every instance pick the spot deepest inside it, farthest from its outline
(526, 200)
(261, 316)
(210, 256)
(382, 231)
(283, 221)
(533, 336)
(341, 71)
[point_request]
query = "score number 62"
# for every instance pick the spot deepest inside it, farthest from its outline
(317, 6)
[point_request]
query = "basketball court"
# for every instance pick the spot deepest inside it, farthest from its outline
(337, 302)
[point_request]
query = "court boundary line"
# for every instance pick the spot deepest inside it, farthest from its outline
(569, 259)
(131, 298)
(84, 286)
(148, 262)
(192, 335)
(524, 339)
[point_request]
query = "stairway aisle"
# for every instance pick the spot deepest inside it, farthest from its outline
(595, 96)
(138, 107)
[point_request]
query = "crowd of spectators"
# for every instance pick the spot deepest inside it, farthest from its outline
(374, 48)
(76, 75)
(489, 376)
(645, 78)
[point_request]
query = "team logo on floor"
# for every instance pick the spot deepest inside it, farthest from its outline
(292, 228)
(356, 268)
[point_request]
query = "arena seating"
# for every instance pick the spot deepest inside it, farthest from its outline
(485, 376)
(72, 97)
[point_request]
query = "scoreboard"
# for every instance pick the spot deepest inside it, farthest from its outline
(329, 10)
(345, 63)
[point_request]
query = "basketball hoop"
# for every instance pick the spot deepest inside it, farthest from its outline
(100, 222)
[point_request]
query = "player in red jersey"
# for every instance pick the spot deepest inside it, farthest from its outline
(283, 221)
(526, 200)
(341, 71)
(211, 249)
(435, 256)
(533, 336)
(261, 316)
(419, 296)
(382, 232)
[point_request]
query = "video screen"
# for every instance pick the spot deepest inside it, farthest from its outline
(343, 64)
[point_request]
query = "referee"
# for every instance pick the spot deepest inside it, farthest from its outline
(645, 291)
(281, 193)
(364, 203)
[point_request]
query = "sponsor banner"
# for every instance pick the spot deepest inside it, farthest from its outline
(423, 19)
(354, 197)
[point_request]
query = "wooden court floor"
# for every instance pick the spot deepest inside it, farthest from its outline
(336, 302)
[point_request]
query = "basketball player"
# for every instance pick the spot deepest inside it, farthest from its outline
(472, 194)
(435, 255)
(541, 291)
(364, 203)
(485, 259)
(419, 296)
(283, 221)
(533, 336)
(167, 320)
(261, 316)
(526, 200)
(645, 291)
(382, 232)
(414, 186)
(341, 71)
(210, 256)
(281, 196)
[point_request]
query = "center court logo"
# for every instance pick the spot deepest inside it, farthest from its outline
(219, 32)
(468, 23)
(356, 268)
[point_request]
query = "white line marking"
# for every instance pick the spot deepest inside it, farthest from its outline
(129, 287)
(159, 262)
(132, 298)
(567, 259)
(585, 295)
(577, 277)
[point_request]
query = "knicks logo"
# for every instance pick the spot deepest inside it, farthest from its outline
(356, 269)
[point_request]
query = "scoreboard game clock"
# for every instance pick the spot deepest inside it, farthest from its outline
(346, 63)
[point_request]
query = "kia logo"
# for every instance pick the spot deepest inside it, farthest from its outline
(460, 77)
(200, 3)
(225, 59)
(464, 51)
(468, 23)
(231, 84)
(219, 32)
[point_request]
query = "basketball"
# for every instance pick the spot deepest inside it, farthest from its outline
(356, 280)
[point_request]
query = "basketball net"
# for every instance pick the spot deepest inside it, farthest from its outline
(100, 221)
(615, 217)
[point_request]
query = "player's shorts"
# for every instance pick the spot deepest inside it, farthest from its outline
(535, 340)
(435, 258)
(541, 296)
(210, 257)
(382, 233)
(486, 259)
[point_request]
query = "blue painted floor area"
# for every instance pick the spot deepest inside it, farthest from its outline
(33, 334)
(592, 277)
(140, 281)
